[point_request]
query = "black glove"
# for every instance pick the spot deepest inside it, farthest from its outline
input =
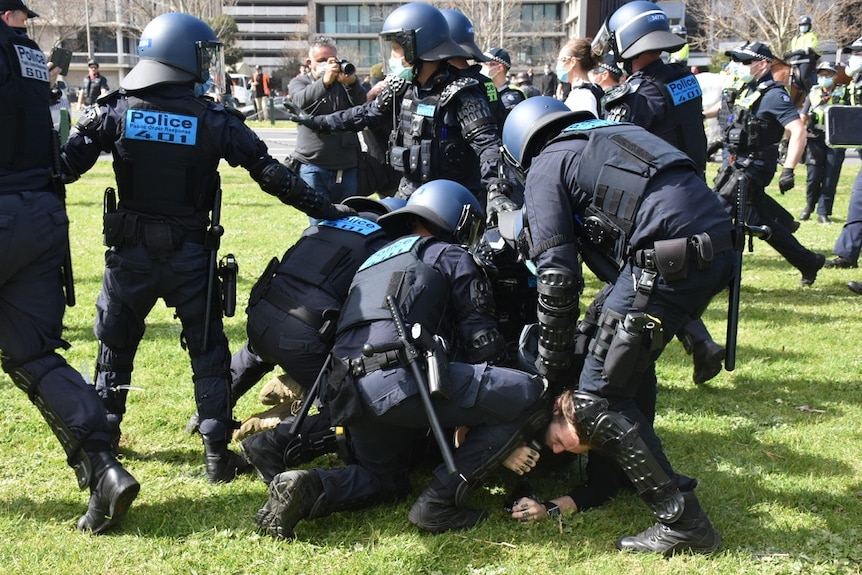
(301, 117)
(785, 180)
(395, 86)
(337, 211)
(498, 200)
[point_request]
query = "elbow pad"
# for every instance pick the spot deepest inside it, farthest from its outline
(557, 312)
(487, 345)
(280, 181)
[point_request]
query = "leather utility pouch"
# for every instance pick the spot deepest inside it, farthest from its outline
(703, 250)
(425, 160)
(338, 390)
(113, 226)
(158, 239)
(399, 159)
(671, 258)
(261, 286)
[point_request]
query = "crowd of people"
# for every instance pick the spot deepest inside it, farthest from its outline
(386, 313)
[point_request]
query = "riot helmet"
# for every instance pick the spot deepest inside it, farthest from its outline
(531, 124)
(177, 48)
(635, 28)
(451, 210)
(461, 32)
(804, 24)
(421, 31)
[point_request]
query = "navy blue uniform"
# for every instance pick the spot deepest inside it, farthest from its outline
(822, 162)
(849, 242)
(166, 181)
(487, 399)
(676, 203)
(773, 109)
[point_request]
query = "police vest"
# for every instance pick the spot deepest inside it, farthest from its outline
(746, 134)
(617, 164)
(24, 114)
(162, 162)
(856, 91)
(398, 270)
(428, 143)
(328, 254)
(838, 95)
(682, 125)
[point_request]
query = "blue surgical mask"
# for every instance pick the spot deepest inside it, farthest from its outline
(396, 65)
(562, 73)
(825, 81)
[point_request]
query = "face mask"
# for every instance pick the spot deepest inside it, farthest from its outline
(825, 81)
(396, 65)
(804, 28)
(562, 73)
(321, 69)
(486, 71)
(854, 65)
(744, 73)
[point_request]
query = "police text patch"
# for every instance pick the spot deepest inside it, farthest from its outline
(163, 127)
(396, 248)
(34, 66)
(352, 224)
(685, 89)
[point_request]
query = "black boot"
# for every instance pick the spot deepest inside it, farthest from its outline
(112, 490)
(223, 465)
(114, 421)
(436, 512)
(265, 451)
(293, 495)
(692, 532)
(708, 357)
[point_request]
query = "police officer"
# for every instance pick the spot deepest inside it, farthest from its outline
(35, 237)
(435, 284)
(167, 142)
(761, 114)
(640, 206)
(822, 162)
(497, 68)
(441, 122)
(295, 303)
(666, 99)
(806, 38)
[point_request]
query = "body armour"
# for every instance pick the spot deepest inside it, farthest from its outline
(748, 135)
(682, 125)
(428, 142)
(328, 254)
(618, 170)
(162, 161)
(399, 270)
(24, 114)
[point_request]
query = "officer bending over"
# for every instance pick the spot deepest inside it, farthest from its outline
(166, 142)
(436, 284)
(621, 199)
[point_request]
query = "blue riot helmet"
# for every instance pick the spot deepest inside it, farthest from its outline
(421, 31)
(461, 32)
(531, 124)
(635, 28)
(177, 48)
(452, 210)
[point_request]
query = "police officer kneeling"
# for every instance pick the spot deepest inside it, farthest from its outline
(622, 199)
(436, 284)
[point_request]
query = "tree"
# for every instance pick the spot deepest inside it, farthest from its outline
(770, 21)
(226, 30)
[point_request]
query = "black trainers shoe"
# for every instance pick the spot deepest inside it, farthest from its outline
(292, 496)
(436, 517)
(223, 465)
(809, 276)
(839, 262)
(855, 287)
(805, 215)
(708, 357)
(701, 537)
(111, 498)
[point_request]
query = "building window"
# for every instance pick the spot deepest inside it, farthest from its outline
(539, 18)
(351, 19)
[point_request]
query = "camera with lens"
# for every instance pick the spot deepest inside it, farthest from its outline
(347, 67)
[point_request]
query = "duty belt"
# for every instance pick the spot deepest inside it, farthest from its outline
(366, 365)
(323, 322)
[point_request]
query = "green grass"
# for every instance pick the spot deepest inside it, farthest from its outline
(782, 484)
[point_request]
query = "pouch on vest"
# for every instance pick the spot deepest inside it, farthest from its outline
(399, 159)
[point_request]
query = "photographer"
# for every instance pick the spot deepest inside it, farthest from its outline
(328, 163)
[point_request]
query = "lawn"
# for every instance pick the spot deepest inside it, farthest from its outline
(775, 444)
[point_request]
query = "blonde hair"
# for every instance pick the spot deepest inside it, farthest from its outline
(581, 50)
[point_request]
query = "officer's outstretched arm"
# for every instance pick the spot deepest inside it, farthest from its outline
(557, 311)
(285, 184)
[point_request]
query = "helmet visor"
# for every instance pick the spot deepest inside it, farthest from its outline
(404, 38)
(211, 64)
(603, 40)
(519, 170)
(470, 226)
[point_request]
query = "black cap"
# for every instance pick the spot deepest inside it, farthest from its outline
(17, 5)
(608, 63)
(751, 51)
(500, 56)
(92, 63)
